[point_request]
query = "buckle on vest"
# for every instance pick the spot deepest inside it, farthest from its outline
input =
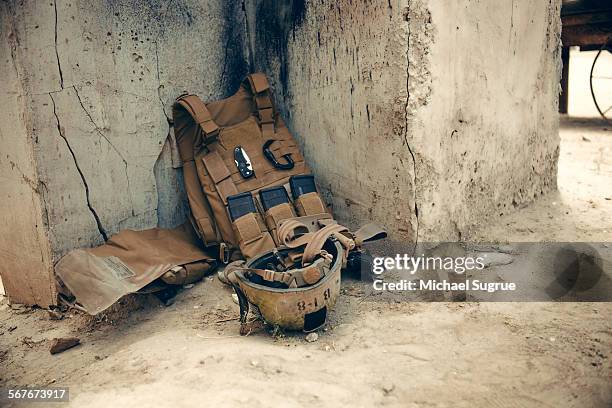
(272, 159)
(224, 253)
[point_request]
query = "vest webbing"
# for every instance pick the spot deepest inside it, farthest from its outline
(291, 234)
(258, 83)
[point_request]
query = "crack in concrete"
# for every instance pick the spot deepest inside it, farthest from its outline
(102, 135)
(136, 215)
(159, 85)
(43, 197)
(249, 45)
(59, 65)
(170, 125)
(33, 185)
(97, 129)
(14, 43)
(225, 58)
(406, 126)
(78, 168)
(36, 188)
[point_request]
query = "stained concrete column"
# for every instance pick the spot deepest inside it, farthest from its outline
(427, 116)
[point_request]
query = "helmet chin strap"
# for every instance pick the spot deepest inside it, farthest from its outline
(243, 302)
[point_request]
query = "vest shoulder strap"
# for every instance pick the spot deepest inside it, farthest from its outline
(200, 114)
(258, 82)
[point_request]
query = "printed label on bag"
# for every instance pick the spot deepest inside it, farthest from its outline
(119, 269)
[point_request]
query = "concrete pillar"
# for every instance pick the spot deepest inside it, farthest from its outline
(427, 116)
(25, 254)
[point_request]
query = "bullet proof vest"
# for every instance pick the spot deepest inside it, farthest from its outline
(208, 135)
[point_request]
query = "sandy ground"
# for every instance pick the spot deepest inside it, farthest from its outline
(373, 352)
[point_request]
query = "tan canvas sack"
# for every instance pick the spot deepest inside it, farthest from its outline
(129, 261)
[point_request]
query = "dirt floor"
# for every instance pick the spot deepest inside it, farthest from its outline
(373, 352)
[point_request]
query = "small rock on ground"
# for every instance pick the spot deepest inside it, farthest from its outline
(62, 344)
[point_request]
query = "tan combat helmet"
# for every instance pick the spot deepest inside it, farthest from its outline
(296, 299)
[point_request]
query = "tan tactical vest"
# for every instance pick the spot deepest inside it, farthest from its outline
(208, 135)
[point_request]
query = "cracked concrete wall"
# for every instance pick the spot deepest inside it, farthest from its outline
(94, 94)
(99, 81)
(425, 116)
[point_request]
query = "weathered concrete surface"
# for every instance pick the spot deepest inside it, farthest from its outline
(425, 116)
(25, 255)
(339, 73)
(483, 122)
(88, 115)
(99, 79)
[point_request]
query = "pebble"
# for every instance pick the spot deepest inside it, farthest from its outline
(388, 388)
(62, 344)
(312, 337)
(189, 286)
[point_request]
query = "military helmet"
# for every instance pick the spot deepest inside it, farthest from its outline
(294, 298)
